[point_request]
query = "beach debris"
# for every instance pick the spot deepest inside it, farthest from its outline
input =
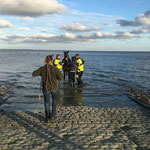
(4, 93)
(140, 96)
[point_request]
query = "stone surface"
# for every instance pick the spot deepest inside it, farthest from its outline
(78, 127)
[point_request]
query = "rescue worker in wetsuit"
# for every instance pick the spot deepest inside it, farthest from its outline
(80, 69)
(57, 62)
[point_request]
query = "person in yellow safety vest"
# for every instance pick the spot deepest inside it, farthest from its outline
(80, 69)
(58, 63)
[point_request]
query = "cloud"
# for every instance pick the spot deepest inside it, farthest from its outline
(147, 13)
(24, 29)
(143, 19)
(5, 24)
(0, 31)
(66, 38)
(126, 35)
(26, 18)
(30, 8)
(107, 35)
(78, 28)
(141, 30)
(42, 29)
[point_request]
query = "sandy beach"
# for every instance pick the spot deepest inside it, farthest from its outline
(76, 128)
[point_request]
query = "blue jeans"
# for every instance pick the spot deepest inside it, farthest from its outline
(48, 100)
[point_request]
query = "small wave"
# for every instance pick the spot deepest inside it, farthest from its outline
(12, 79)
(111, 77)
(32, 96)
(22, 102)
(102, 95)
(5, 72)
(25, 72)
(20, 87)
(108, 72)
(113, 82)
(100, 75)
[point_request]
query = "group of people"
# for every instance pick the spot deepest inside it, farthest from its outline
(51, 73)
(72, 67)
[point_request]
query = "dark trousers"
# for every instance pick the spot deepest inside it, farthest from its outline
(65, 74)
(72, 78)
(47, 102)
(79, 76)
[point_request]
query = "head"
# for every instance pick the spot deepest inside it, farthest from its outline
(66, 54)
(77, 56)
(58, 56)
(49, 59)
(73, 58)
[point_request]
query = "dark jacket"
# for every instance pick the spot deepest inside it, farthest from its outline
(54, 73)
(66, 61)
(73, 65)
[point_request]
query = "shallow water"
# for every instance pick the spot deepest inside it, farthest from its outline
(107, 75)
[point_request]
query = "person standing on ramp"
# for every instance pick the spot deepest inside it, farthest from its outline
(50, 76)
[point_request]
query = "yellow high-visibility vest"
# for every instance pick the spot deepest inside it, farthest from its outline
(57, 64)
(80, 65)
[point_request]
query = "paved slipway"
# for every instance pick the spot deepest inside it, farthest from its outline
(76, 128)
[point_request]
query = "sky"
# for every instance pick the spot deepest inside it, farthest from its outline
(103, 25)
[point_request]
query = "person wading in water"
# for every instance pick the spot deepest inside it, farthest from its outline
(58, 63)
(50, 76)
(80, 69)
(73, 69)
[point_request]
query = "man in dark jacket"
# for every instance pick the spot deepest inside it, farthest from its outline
(50, 76)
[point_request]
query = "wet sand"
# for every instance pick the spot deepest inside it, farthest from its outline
(76, 128)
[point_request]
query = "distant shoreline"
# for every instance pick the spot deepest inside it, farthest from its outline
(123, 51)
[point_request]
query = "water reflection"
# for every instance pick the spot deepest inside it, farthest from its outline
(70, 96)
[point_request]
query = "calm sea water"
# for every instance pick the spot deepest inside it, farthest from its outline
(107, 75)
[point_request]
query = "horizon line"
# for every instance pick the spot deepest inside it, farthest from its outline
(27, 49)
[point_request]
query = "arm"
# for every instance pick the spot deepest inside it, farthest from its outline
(60, 63)
(82, 61)
(37, 72)
(78, 63)
(63, 61)
(56, 62)
(59, 75)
